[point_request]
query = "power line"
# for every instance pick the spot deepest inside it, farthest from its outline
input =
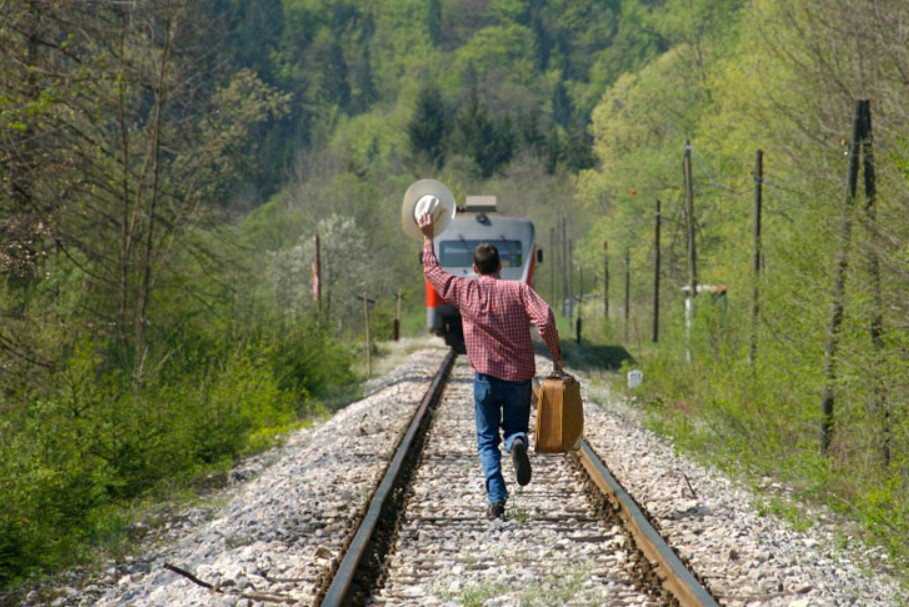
(710, 176)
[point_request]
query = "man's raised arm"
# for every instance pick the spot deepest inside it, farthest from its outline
(448, 286)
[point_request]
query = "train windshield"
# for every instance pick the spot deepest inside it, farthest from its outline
(459, 253)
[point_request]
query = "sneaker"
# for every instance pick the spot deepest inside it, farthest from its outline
(520, 460)
(496, 510)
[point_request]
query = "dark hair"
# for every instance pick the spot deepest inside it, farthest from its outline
(486, 257)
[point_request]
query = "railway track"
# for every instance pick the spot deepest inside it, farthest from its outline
(571, 537)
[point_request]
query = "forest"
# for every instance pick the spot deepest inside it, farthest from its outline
(165, 166)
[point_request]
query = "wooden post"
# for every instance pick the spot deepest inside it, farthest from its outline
(570, 298)
(606, 280)
(756, 260)
(565, 265)
(627, 290)
(692, 252)
(317, 274)
(837, 305)
(580, 301)
(876, 322)
(690, 223)
(656, 274)
(553, 256)
(366, 320)
(397, 327)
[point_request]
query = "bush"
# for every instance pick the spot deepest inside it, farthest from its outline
(71, 463)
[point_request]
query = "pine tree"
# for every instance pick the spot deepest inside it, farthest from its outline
(476, 135)
(365, 86)
(553, 151)
(434, 21)
(501, 148)
(469, 78)
(341, 15)
(255, 34)
(578, 150)
(561, 105)
(529, 129)
(428, 127)
(335, 86)
(543, 45)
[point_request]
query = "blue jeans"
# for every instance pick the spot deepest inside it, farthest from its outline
(499, 404)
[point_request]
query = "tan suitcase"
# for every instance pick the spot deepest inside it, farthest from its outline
(560, 414)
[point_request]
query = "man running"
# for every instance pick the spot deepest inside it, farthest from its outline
(496, 315)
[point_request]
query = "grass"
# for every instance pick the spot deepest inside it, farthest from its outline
(477, 595)
(554, 590)
(784, 509)
(520, 515)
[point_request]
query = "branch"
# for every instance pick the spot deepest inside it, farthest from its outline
(255, 596)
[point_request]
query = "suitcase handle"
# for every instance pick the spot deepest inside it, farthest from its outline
(561, 375)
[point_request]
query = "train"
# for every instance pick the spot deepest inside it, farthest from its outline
(477, 222)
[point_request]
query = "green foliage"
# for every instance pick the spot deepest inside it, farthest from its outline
(733, 77)
(488, 143)
(428, 128)
(71, 459)
(344, 58)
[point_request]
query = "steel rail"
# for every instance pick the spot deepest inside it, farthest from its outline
(675, 576)
(338, 594)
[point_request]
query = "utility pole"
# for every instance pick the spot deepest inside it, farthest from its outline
(397, 326)
(881, 407)
(656, 274)
(366, 321)
(692, 253)
(756, 261)
(565, 263)
(837, 306)
(606, 280)
(317, 274)
(627, 290)
(570, 298)
(580, 301)
(553, 256)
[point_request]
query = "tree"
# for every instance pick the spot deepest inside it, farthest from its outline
(543, 45)
(365, 91)
(561, 105)
(428, 127)
(489, 143)
(531, 136)
(434, 21)
(335, 85)
(578, 150)
(139, 151)
(554, 152)
(255, 29)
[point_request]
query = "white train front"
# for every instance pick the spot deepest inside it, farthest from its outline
(479, 222)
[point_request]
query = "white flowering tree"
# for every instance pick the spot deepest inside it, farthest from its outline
(347, 271)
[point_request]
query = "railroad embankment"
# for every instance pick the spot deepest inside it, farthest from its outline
(270, 536)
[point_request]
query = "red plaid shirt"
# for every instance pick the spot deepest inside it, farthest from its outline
(496, 315)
